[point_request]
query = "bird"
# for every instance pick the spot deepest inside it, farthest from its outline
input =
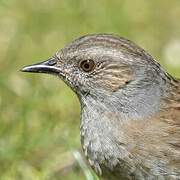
(130, 107)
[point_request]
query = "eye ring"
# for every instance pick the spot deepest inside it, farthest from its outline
(87, 65)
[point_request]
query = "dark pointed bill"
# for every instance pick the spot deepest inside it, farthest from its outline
(47, 66)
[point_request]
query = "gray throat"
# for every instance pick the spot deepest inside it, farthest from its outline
(102, 136)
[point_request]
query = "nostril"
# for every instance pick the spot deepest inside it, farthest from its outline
(51, 62)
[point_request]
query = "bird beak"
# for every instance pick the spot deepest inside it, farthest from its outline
(47, 66)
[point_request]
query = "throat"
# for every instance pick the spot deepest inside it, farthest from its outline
(102, 139)
(103, 120)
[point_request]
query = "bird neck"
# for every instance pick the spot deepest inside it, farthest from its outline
(135, 101)
(99, 134)
(103, 119)
(138, 102)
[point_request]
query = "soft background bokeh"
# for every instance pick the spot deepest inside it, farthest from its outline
(39, 115)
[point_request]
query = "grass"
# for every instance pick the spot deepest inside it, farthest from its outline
(39, 126)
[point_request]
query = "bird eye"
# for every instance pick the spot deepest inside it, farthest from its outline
(87, 65)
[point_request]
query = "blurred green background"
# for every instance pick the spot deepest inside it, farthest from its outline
(39, 114)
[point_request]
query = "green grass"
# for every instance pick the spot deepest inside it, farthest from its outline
(39, 115)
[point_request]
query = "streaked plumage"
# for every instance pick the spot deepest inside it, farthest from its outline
(130, 107)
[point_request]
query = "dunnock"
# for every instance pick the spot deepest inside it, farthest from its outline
(130, 107)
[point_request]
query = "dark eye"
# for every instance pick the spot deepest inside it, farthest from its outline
(87, 65)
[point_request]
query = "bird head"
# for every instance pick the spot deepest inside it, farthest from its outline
(100, 64)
